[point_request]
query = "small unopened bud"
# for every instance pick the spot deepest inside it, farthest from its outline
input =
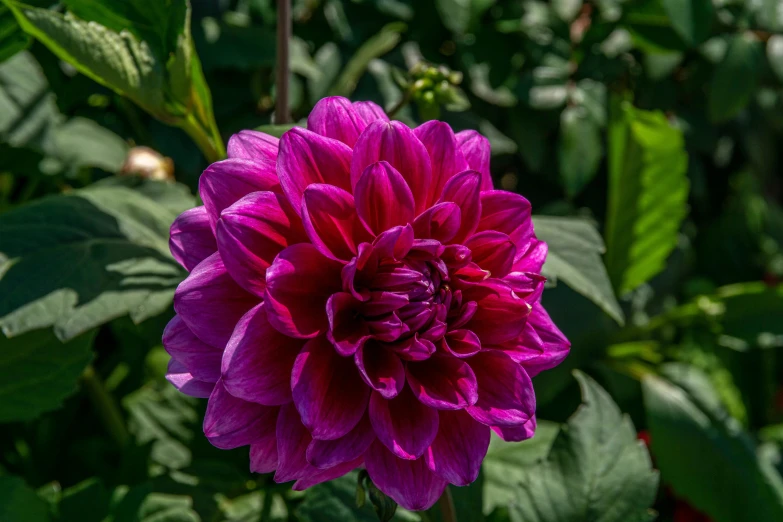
(148, 164)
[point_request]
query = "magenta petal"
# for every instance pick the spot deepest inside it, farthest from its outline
(211, 303)
(347, 331)
(443, 382)
(542, 334)
(460, 447)
(253, 145)
(464, 190)
(200, 359)
(182, 380)
(306, 157)
(297, 286)
(263, 455)
(441, 222)
(383, 198)
(395, 242)
(530, 258)
(250, 234)
(225, 182)
(476, 150)
(493, 251)
(500, 313)
(369, 111)
(380, 368)
(409, 482)
(508, 213)
(331, 222)
(413, 349)
(327, 453)
(292, 441)
(445, 155)
(396, 144)
(258, 360)
(191, 238)
(505, 392)
(403, 424)
(317, 476)
(328, 392)
(230, 422)
(517, 433)
(336, 118)
(462, 343)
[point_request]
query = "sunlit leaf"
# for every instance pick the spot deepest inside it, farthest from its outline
(648, 193)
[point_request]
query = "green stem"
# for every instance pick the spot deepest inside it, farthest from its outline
(105, 406)
(209, 144)
(446, 504)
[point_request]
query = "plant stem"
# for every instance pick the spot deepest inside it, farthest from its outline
(211, 149)
(446, 504)
(105, 405)
(284, 29)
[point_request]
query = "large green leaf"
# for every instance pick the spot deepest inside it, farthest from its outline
(37, 372)
(141, 49)
(692, 19)
(579, 149)
(12, 38)
(575, 248)
(505, 464)
(19, 503)
(596, 469)
(704, 454)
(648, 193)
(79, 260)
(29, 118)
(734, 80)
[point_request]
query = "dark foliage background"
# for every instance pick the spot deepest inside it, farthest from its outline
(646, 133)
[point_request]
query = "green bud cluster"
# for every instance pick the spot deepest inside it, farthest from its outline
(434, 86)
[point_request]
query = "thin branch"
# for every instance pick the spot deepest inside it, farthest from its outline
(284, 28)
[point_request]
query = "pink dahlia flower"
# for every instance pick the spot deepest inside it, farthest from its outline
(359, 296)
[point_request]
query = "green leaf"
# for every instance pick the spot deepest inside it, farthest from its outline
(83, 143)
(596, 469)
(704, 455)
(141, 49)
(29, 118)
(734, 80)
(504, 466)
(380, 44)
(575, 249)
(336, 500)
(28, 111)
(648, 194)
(12, 38)
(692, 19)
(579, 149)
(76, 261)
(38, 372)
(19, 503)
